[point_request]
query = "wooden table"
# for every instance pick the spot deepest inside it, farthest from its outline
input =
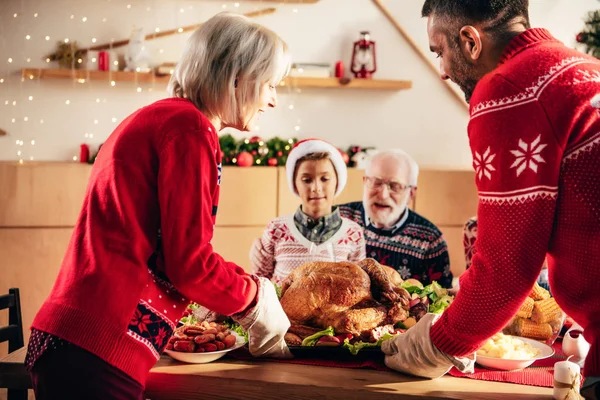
(231, 379)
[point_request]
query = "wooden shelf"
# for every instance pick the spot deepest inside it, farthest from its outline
(83, 75)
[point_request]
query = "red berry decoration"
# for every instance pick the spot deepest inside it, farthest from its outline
(272, 162)
(255, 139)
(245, 159)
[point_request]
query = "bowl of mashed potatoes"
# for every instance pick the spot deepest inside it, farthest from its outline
(505, 352)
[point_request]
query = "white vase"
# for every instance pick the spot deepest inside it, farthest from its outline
(575, 346)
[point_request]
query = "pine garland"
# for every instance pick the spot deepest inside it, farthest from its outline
(590, 36)
(273, 152)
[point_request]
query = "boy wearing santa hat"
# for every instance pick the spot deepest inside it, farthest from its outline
(317, 174)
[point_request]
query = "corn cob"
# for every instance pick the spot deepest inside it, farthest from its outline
(526, 308)
(539, 293)
(556, 324)
(545, 311)
(528, 328)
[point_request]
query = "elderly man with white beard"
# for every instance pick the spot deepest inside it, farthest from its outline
(395, 235)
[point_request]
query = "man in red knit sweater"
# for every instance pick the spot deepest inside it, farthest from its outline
(534, 132)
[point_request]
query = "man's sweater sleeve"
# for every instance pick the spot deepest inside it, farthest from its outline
(517, 162)
(187, 179)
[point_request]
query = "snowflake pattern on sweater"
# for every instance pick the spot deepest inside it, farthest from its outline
(534, 132)
(416, 248)
(282, 248)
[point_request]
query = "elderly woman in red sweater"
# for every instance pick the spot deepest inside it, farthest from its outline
(141, 248)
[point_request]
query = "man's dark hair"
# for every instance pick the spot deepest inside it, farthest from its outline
(494, 15)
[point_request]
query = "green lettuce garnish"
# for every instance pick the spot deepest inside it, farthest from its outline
(237, 328)
(313, 339)
(358, 346)
(439, 299)
(277, 290)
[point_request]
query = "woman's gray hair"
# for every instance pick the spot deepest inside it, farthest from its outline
(224, 65)
(403, 158)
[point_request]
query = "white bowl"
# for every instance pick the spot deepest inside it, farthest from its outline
(203, 358)
(508, 364)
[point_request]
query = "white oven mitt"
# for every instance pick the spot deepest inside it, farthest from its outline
(266, 323)
(414, 353)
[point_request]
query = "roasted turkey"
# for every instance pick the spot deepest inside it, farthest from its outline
(352, 298)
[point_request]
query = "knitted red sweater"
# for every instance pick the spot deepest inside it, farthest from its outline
(535, 137)
(120, 293)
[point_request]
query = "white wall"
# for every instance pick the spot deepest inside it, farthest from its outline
(427, 120)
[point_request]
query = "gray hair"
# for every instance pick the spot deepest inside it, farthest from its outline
(224, 65)
(402, 157)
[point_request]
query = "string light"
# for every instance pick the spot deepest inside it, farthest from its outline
(41, 121)
(225, 6)
(35, 15)
(27, 37)
(72, 16)
(47, 60)
(83, 19)
(114, 119)
(68, 102)
(180, 30)
(157, 30)
(14, 103)
(236, 5)
(181, 10)
(139, 89)
(1, 80)
(103, 19)
(13, 120)
(28, 60)
(112, 83)
(21, 161)
(128, 6)
(66, 40)
(47, 38)
(33, 142)
(25, 119)
(297, 128)
(15, 15)
(295, 10)
(291, 106)
(97, 100)
(94, 40)
(9, 60)
(19, 153)
(30, 158)
(74, 158)
(95, 122)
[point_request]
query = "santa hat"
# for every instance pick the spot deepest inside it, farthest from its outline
(308, 146)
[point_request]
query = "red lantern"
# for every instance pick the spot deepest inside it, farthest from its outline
(363, 57)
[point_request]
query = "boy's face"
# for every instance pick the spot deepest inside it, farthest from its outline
(316, 182)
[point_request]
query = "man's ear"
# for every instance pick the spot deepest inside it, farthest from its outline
(413, 193)
(470, 42)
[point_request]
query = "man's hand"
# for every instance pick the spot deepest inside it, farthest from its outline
(266, 323)
(414, 353)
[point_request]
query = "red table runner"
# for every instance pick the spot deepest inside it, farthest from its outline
(540, 373)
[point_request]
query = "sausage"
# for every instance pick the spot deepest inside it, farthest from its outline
(206, 338)
(185, 346)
